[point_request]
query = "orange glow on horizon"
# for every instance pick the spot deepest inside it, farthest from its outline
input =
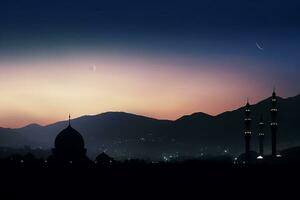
(44, 91)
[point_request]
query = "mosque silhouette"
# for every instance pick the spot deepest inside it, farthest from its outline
(69, 146)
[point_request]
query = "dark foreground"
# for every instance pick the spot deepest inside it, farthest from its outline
(187, 180)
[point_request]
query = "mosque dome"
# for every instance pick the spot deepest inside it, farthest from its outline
(69, 145)
(69, 138)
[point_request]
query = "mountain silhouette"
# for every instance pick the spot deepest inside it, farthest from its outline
(123, 134)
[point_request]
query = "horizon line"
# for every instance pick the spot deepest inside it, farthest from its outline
(111, 111)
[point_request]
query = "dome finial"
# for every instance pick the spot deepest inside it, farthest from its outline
(247, 103)
(69, 119)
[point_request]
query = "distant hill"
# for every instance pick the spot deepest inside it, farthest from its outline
(125, 134)
(226, 129)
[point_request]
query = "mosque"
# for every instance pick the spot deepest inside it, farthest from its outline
(69, 146)
(250, 156)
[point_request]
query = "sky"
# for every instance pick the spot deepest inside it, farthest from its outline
(162, 59)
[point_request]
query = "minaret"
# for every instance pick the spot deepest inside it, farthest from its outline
(261, 135)
(274, 124)
(247, 128)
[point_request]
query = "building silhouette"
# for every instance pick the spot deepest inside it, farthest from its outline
(248, 156)
(104, 159)
(247, 128)
(69, 146)
(261, 136)
(274, 123)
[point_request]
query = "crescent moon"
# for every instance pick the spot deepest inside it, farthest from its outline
(259, 47)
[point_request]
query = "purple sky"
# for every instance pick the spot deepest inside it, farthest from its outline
(158, 59)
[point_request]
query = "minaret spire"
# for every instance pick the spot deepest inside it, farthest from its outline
(261, 135)
(274, 123)
(247, 128)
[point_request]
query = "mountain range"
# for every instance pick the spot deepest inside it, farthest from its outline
(128, 135)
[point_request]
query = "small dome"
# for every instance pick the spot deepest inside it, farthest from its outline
(103, 158)
(69, 138)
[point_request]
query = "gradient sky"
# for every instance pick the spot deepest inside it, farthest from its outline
(160, 59)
